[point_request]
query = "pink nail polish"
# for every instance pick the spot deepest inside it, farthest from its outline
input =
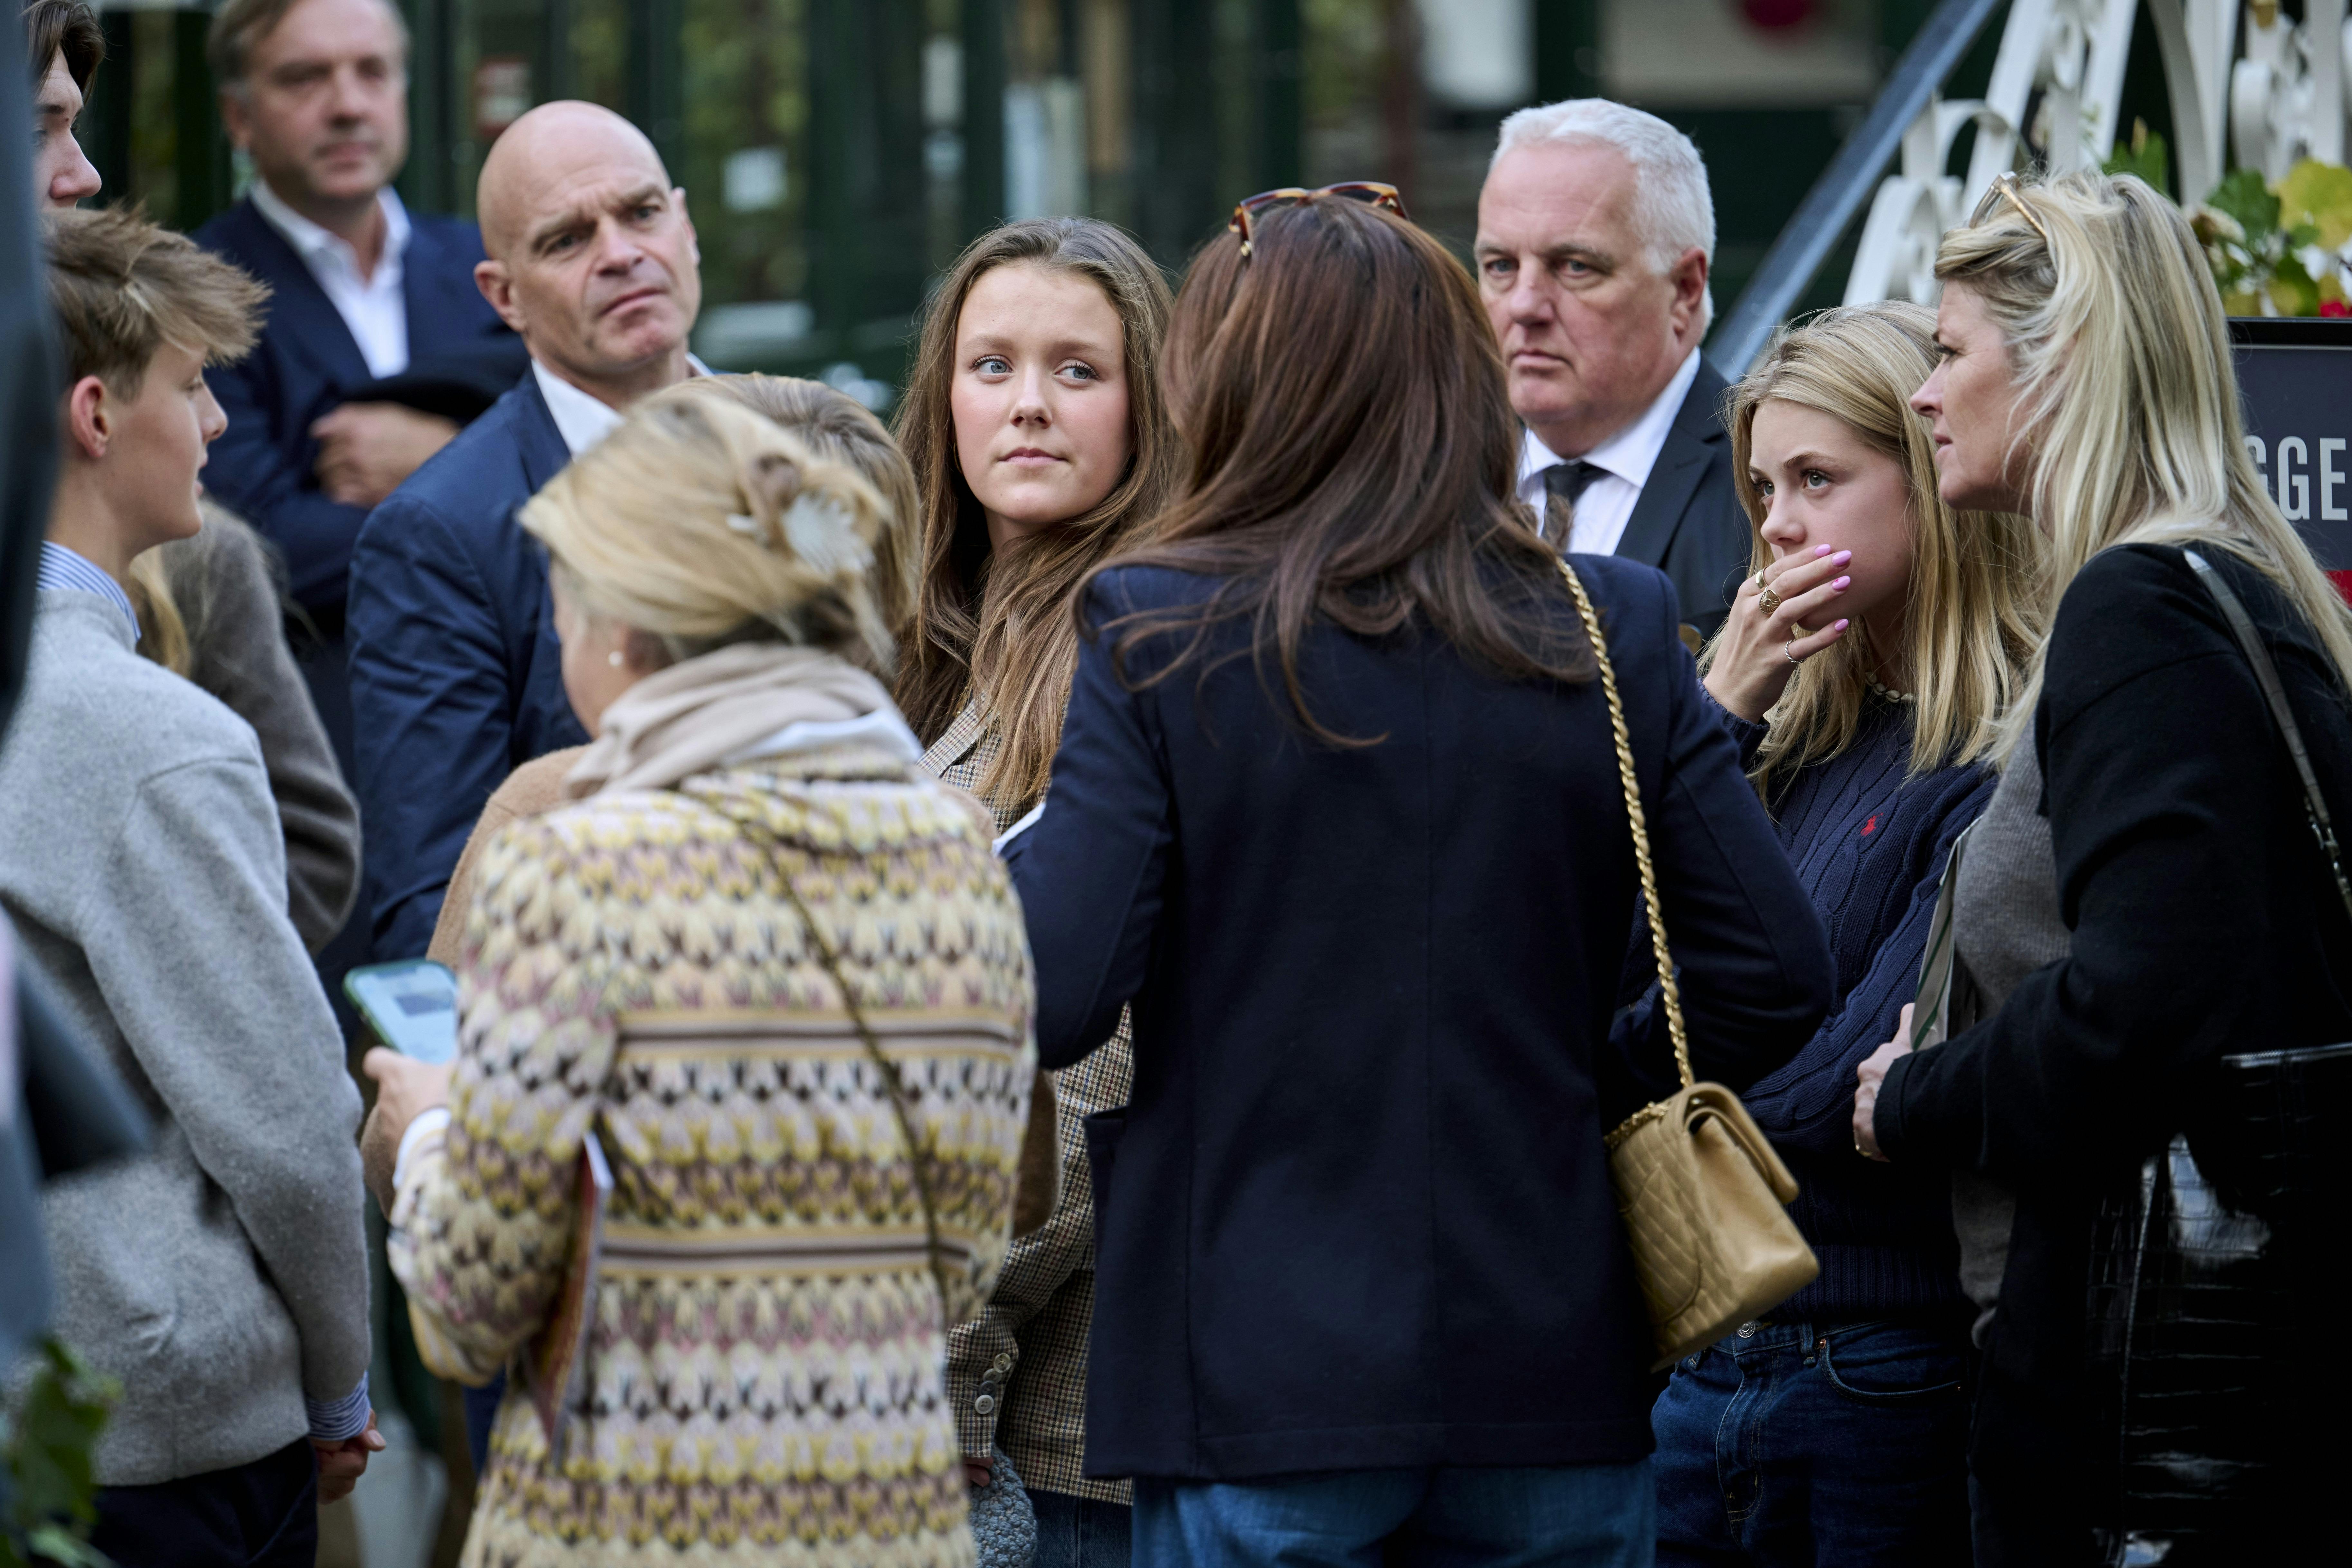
(1839, 628)
(1841, 583)
(1821, 549)
(1845, 556)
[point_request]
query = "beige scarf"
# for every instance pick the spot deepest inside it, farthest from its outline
(695, 716)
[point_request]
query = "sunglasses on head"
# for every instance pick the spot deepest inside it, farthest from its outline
(2004, 188)
(1371, 193)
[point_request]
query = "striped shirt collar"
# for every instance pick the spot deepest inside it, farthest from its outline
(64, 568)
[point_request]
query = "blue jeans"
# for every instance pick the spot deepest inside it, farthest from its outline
(1797, 1444)
(1568, 1516)
(1080, 1532)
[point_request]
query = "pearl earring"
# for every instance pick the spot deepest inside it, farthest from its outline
(613, 659)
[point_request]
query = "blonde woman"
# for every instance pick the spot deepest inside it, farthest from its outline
(1041, 443)
(774, 969)
(2086, 379)
(1866, 660)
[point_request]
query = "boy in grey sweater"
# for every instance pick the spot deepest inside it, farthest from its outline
(223, 1275)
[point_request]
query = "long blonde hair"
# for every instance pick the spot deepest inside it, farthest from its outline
(1005, 630)
(697, 523)
(2128, 395)
(1975, 612)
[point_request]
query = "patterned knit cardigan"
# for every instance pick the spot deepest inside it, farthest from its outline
(763, 1372)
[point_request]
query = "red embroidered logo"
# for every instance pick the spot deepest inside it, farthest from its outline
(1871, 826)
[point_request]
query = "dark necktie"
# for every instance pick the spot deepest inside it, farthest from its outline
(1564, 485)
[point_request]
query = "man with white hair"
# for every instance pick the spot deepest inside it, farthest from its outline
(1596, 233)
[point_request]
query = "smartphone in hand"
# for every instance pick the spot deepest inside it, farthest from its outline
(411, 1004)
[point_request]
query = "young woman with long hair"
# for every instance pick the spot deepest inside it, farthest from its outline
(1338, 810)
(1040, 447)
(1865, 670)
(2086, 379)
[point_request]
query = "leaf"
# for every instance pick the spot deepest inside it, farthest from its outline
(2145, 156)
(2320, 195)
(2292, 292)
(52, 1431)
(50, 1544)
(2244, 198)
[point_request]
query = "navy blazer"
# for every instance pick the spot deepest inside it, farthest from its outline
(456, 677)
(306, 364)
(1358, 1213)
(1689, 522)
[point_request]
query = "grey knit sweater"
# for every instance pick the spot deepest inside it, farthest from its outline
(2005, 925)
(223, 1275)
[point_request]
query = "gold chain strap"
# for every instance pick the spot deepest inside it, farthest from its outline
(1670, 992)
(831, 963)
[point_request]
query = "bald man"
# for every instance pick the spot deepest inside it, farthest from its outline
(456, 677)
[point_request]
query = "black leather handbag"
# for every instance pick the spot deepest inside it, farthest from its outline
(2219, 1280)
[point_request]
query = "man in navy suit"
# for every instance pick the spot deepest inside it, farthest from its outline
(456, 677)
(362, 292)
(1596, 233)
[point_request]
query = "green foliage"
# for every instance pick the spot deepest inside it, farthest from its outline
(2244, 198)
(2282, 250)
(2315, 198)
(45, 1440)
(2145, 155)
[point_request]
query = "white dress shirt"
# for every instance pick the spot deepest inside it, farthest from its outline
(373, 307)
(581, 418)
(1626, 460)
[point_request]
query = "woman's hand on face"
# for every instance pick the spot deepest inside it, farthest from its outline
(1870, 1075)
(405, 1088)
(1757, 656)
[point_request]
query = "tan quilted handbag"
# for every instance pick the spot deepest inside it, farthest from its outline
(1704, 1196)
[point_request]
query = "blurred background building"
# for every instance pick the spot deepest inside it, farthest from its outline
(837, 152)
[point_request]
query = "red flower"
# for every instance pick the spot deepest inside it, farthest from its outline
(2334, 308)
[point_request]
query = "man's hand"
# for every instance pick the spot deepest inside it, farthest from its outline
(366, 449)
(1871, 1074)
(979, 1472)
(403, 1086)
(340, 1465)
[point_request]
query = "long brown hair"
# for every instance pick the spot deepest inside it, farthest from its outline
(1353, 456)
(1004, 628)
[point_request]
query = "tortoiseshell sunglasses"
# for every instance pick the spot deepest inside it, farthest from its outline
(1370, 191)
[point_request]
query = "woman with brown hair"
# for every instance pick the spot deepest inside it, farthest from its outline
(1041, 444)
(1337, 811)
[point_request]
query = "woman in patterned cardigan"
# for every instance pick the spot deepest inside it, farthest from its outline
(759, 957)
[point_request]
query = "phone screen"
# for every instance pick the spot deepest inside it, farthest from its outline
(412, 1005)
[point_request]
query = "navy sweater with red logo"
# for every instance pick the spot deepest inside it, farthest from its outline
(1870, 846)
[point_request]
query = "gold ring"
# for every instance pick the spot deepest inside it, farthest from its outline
(1759, 579)
(1768, 601)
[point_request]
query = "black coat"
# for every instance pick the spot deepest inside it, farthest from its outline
(307, 364)
(2205, 924)
(1358, 1214)
(1689, 522)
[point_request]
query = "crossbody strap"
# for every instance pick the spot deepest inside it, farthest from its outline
(901, 1104)
(2315, 804)
(1669, 993)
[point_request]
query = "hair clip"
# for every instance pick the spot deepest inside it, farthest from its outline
(822, 532)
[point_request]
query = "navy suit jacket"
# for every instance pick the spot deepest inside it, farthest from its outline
(456, 677)
(1689, 522)
(307, 364)
(1358, 1213)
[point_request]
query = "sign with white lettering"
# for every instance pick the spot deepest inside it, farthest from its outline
(2295, 378)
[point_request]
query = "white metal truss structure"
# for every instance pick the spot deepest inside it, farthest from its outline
(2056, 87)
